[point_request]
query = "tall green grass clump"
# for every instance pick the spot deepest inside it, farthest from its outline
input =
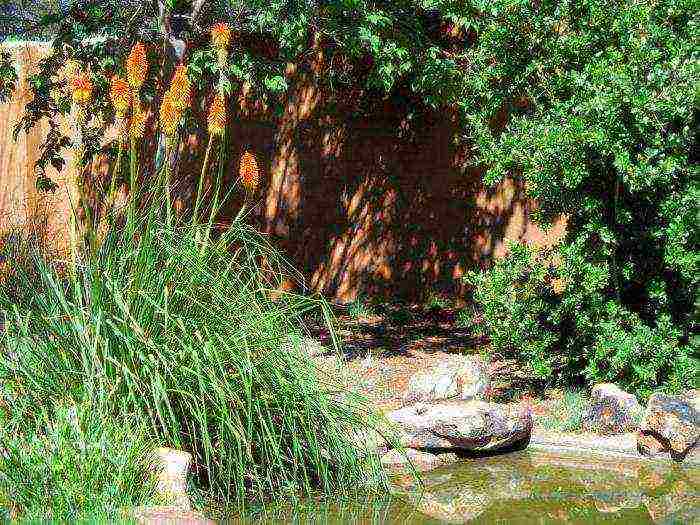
(171, 329)
(72, 464)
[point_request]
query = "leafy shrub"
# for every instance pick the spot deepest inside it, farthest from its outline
(464, 318)
(639, 357)
(599, 101)
(437, 300)
(549, 309)
(513, 301)
(601, 106)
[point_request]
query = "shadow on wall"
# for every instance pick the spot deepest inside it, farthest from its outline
(364, 195)
(386, 208)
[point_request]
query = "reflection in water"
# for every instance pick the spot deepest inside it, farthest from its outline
(524, 487)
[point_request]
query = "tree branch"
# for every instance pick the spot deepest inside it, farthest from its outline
(197, 6)
(177, 46)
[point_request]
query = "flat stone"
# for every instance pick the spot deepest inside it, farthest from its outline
(463, 425)
(167, 515)
(466, 378)
(671, 425)
(401, 461)
(611, 410)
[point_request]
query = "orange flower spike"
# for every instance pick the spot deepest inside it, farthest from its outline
(137, 127)
(136, 66)
(217, 116)
(220, 40)
(169, 116)
(249, 172)
(82, 88)
(221, 35)
(120, 95)
(180, 88)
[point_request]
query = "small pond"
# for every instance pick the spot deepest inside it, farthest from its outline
(526, 487)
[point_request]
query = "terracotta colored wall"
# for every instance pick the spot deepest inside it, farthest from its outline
(377, 204)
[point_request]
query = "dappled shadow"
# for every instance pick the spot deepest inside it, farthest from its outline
(365, 194)
(386, 207)
(402, 329)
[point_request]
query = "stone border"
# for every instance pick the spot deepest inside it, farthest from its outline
(622, 446)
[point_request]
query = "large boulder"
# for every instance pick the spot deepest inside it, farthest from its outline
(671, 425)
(464, 425)
(611, 410)
(465, 378)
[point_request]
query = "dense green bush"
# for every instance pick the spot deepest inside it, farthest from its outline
(602, 127)
(607, 136)
(640, 357)
(513, 301)
(549, 309)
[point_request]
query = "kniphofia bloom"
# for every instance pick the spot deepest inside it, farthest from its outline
(120, 95)
(220, 35)
(180, 88)
(81, 87)
(136, 66)
(169, 116)
(248, 171)
(217, 116)
(220, 40)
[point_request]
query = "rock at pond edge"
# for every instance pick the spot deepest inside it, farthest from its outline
(671, 424)
(465, 378)
(464, 425)
(611, 410)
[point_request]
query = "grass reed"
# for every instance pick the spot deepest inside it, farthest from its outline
(183, 338)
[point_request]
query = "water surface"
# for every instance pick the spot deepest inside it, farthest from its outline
(525, 487)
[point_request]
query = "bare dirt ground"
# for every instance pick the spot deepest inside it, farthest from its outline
(384, 350)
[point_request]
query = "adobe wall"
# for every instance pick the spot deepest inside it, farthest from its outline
(372, 202)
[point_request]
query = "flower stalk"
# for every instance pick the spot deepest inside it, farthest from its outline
(136, 72)
(81, 94)
(216, 124)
